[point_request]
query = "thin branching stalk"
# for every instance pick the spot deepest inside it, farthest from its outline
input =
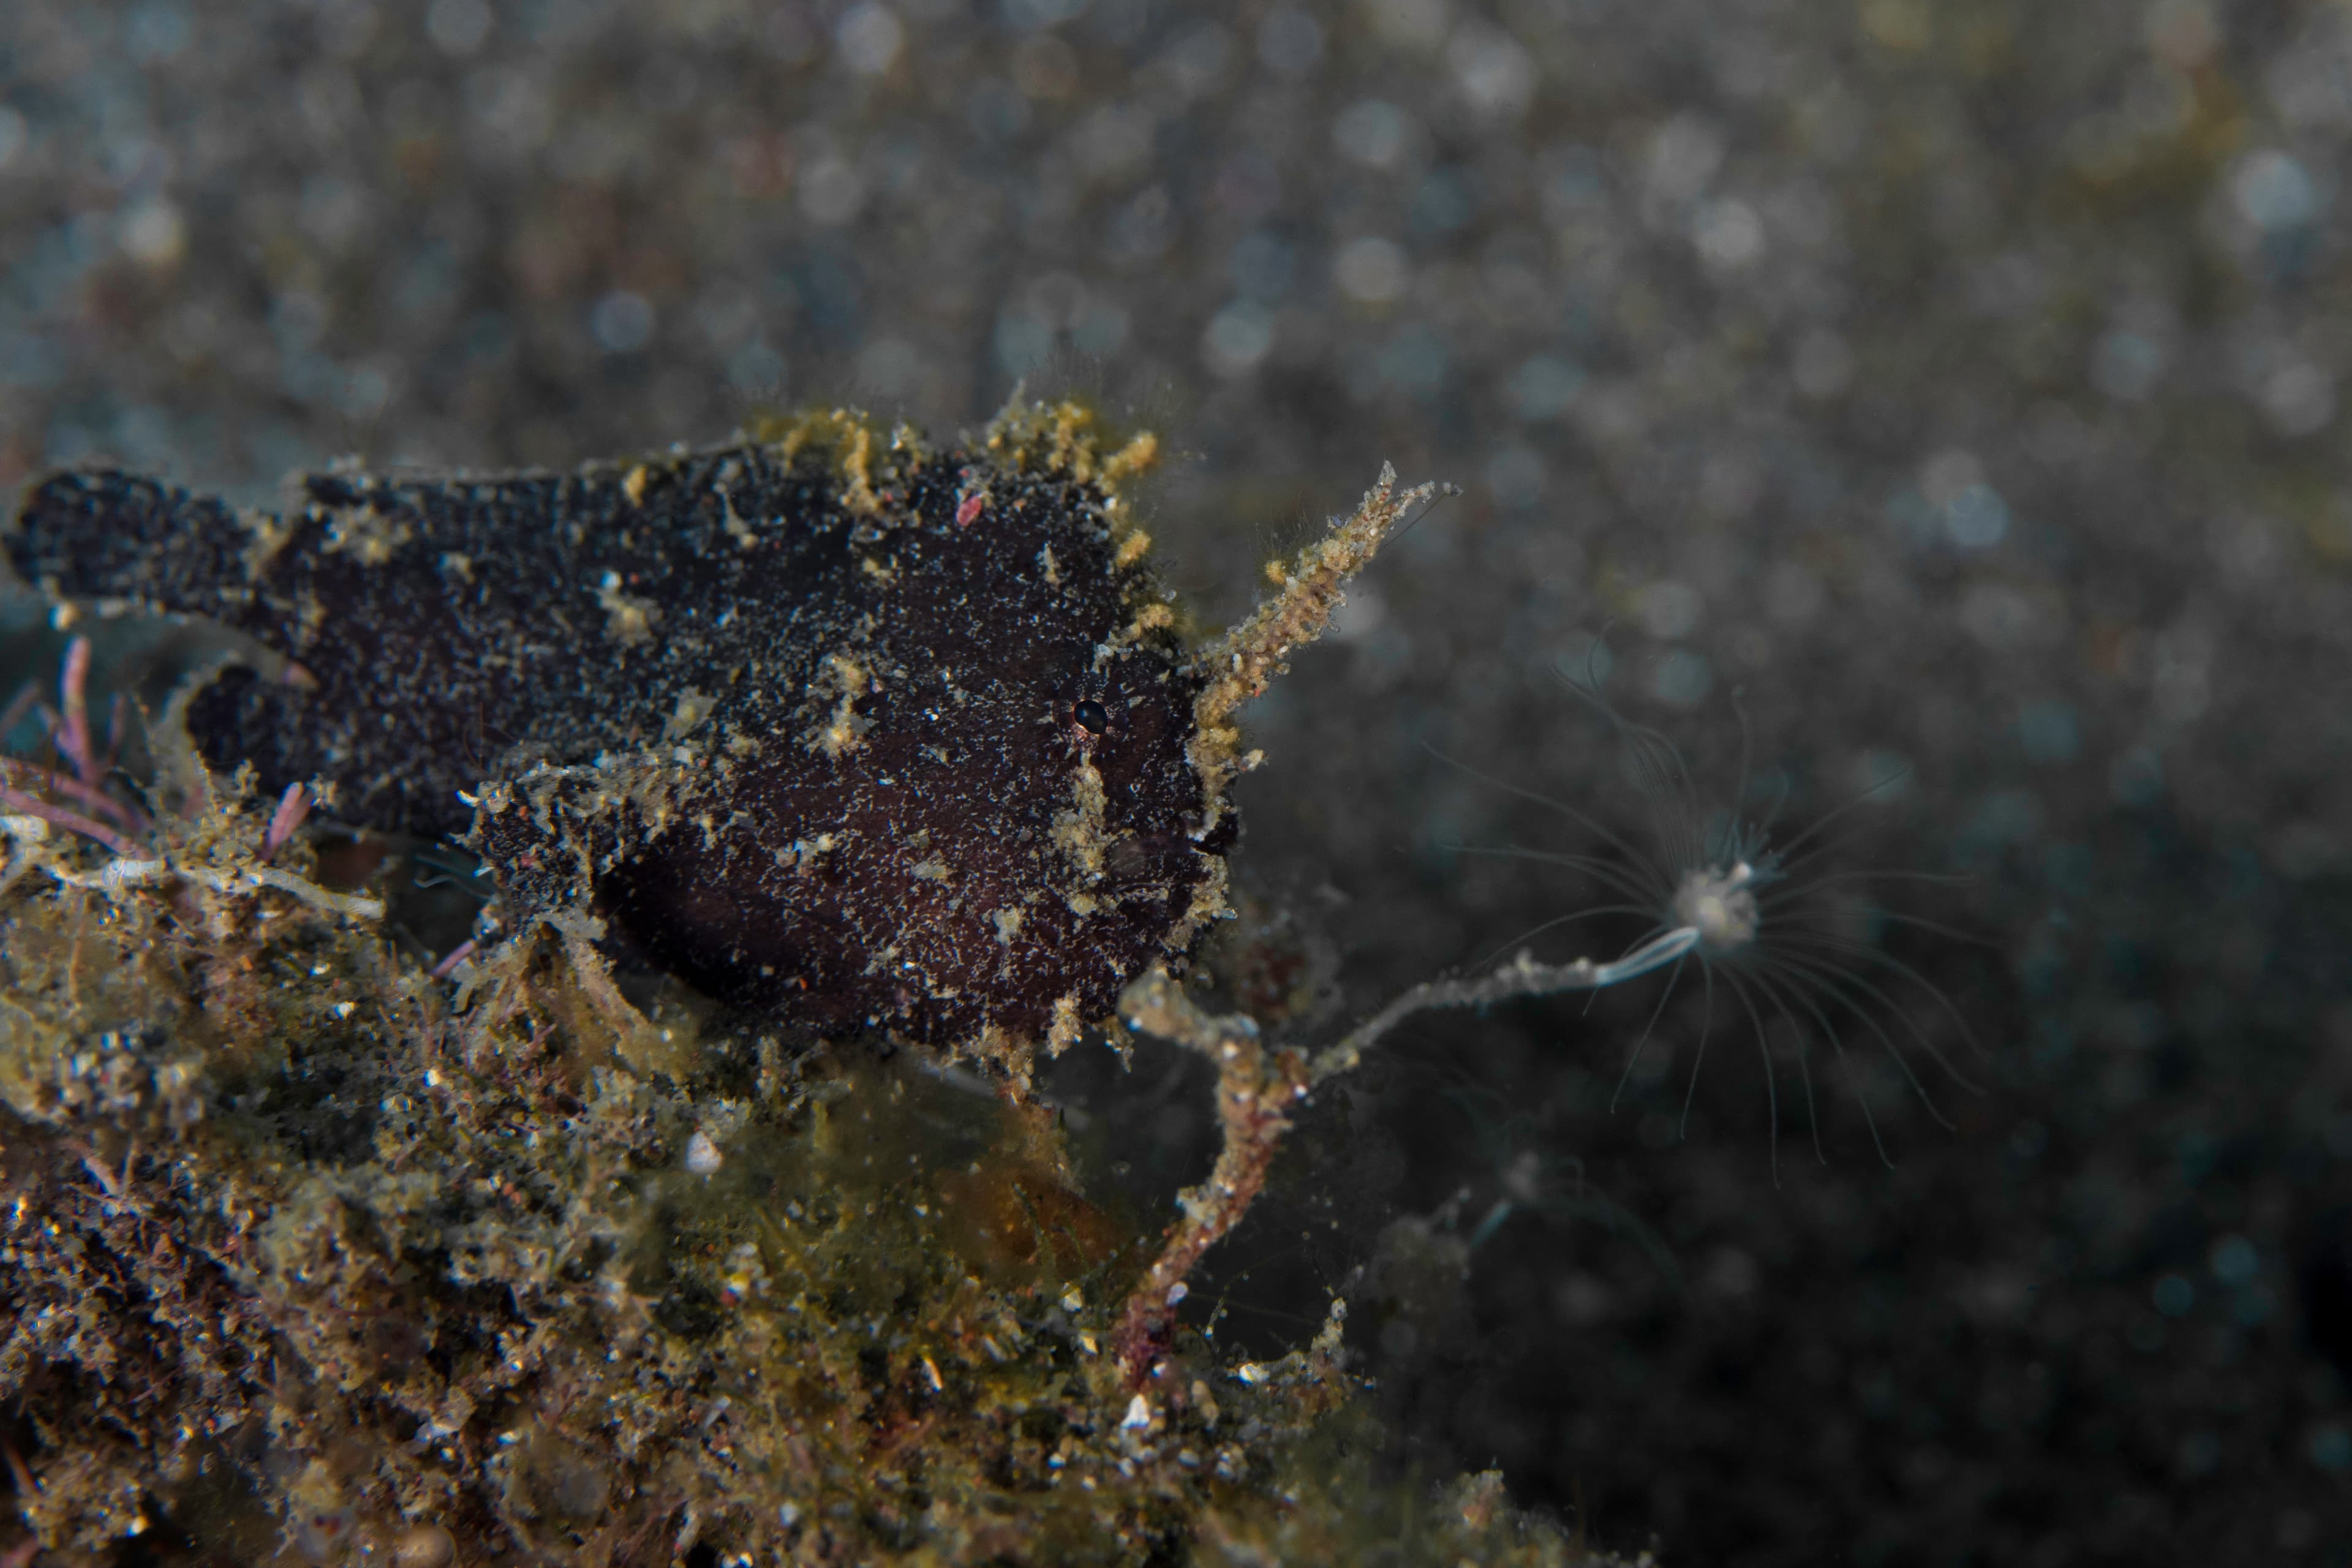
(1256, 1091)
(1258, 1088)
(1522, 976)
(17, 801)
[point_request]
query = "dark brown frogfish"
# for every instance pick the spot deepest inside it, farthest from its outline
(830, 725)
(837, 728)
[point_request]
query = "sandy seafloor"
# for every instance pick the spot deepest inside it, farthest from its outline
(1961, 382)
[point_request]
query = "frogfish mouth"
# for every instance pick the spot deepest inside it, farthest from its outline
(828, 723)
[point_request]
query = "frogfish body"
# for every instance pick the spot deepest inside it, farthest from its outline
(833, 726)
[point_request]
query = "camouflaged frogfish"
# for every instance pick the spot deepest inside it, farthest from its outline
(829, 724)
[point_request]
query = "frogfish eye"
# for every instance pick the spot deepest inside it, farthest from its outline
(1088, 715)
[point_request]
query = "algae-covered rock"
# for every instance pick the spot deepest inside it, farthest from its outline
(468, 1275)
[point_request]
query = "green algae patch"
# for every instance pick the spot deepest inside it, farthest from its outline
(465, 1273)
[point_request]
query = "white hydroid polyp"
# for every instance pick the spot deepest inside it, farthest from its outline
(1776, 924)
